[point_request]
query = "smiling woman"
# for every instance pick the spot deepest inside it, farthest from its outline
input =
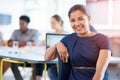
(85, 44)
(79, 22)
(89, 52)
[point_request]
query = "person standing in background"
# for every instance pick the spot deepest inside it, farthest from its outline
(22, 36)
(57, 25)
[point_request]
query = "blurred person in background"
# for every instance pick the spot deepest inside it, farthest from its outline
(6, 65)
(57, 26)
(23, 35)
(2, 43)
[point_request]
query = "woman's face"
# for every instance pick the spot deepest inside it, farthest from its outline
(79, 22)
(55, 24)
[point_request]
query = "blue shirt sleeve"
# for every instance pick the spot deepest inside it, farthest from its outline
(66, 39)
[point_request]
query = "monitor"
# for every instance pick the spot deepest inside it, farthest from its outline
(52, 39)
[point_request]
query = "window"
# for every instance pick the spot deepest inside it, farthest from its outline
(105, 14)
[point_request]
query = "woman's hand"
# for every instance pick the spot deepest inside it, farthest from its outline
(62, 50)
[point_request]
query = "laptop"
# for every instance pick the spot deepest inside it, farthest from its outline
(52, 39)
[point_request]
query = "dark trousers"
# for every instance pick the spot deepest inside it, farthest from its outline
(52, 71)
(16, 72)
(39, 67)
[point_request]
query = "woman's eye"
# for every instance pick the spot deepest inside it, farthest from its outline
(72, 20)
(80, 19)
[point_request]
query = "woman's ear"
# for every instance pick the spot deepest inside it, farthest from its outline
(61, 23)
(89, 19)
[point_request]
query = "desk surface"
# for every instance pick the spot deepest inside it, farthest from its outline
(115, 60)
(33, 54)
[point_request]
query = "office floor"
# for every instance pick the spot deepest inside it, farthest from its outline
(114, 74)
(25, 72)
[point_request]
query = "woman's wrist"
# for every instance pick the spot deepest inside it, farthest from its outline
(57, 44)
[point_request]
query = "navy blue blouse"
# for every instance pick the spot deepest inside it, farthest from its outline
(83, 52)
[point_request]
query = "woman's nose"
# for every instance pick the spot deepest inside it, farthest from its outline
(77, 23)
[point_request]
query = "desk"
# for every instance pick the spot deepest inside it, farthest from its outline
(33, 54)
(27, 54)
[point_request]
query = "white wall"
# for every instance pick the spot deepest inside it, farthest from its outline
(40, 14)
(116, 12)
(14, 8)
(106, 16)
(99, 12)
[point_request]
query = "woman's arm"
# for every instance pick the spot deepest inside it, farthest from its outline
(102, 63)
(51, 53)
(24, 43)
(21, 44)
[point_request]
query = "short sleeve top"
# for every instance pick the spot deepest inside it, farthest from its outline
(84, 51)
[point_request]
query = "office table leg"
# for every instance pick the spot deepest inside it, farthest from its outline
(1, 68)
(57, 67)
(33, 76)
(45, 69)
(11, 61)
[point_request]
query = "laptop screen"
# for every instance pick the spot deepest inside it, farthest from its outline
(52, 39)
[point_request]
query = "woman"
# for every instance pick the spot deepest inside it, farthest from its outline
(57, 26)
(88, 52)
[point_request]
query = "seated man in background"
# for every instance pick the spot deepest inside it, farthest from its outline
(6, 65)
(23, 35)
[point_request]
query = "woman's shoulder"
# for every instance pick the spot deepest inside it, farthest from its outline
(103, 41)
(69, 38)
(72, 35)
(101, 36)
